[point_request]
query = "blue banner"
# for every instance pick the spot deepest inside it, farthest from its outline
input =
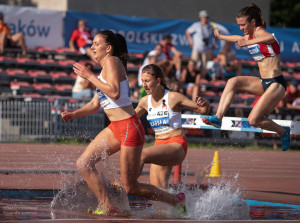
(142, 34)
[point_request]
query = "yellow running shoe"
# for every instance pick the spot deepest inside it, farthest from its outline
(98, 211)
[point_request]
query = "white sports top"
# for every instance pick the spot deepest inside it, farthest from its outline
(108, 103)
(162, 118)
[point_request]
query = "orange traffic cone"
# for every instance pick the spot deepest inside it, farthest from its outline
(215, 170)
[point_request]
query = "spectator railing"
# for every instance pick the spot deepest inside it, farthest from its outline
(22, 121)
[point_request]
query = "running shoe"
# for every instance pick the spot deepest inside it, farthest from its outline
(212, 120)
(180, 207)
(99, 211)
(286, 139)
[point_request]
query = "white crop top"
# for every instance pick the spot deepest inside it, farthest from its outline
(163, 119)
(108, 103)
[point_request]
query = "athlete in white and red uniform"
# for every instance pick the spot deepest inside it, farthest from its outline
(271, 86)
(260, 51)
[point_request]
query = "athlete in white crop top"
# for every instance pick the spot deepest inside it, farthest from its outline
(162, 118)
(125, 132)
(164, 115)
(271, 84)
(107, 102)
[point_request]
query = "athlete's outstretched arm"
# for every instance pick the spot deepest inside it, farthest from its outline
(230, 38)
(89, 108)
(201, 105)
(261, 36)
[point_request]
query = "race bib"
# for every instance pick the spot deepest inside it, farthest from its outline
(102, 98)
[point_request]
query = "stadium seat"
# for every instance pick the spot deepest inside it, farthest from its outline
(290, 64)
(204, 81)
(42, 86)
(219, 83)
(58, 74)
(63, 87)
(44, 49)
(19, 84)
(52, 97)
(20, 87)
(67, 62)
(209, 94)
(15, 71)
(31, 95)
(64, 50)
(7, 59)
(37, 73)
(296, 76)
(73, 75)
(45, 61)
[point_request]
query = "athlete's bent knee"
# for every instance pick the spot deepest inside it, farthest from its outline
(254, 121)
(233, 82)
(131, 189)
(83, 164)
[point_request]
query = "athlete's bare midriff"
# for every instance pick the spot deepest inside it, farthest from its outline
(269, 67)
(117, 114)
(172, 133)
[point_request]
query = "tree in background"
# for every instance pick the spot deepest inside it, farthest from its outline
(285, 13)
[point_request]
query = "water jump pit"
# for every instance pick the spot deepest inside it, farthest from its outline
(39, 168)
(203, 204)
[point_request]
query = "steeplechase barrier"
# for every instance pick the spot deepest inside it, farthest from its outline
(235, 124)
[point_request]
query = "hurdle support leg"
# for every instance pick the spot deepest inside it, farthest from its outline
(177, 173)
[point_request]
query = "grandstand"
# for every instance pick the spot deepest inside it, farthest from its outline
(45, 78)
(47, 74)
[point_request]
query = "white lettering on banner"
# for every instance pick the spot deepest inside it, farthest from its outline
(295, 48)
(183, 40)
(149, 38)
(130, 36)
(146, 37)
(29, 30)
(138, 38)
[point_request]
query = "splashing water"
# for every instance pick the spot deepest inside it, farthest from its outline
(220, 201)
(76, 196)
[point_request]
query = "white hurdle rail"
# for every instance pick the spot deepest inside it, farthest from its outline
(234, 124)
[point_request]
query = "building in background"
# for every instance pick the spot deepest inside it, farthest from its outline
(219, 10)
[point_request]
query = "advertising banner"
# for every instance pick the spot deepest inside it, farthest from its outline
(40, 27)
(143, 33)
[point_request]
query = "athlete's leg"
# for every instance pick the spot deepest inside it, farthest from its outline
(159, 175)
(250, 85)
(265, 105)
(130, 163)
(93, 153)
(167, 155)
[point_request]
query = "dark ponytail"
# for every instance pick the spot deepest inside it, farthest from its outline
(122, 52)
(118, 44)
(252, 12)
